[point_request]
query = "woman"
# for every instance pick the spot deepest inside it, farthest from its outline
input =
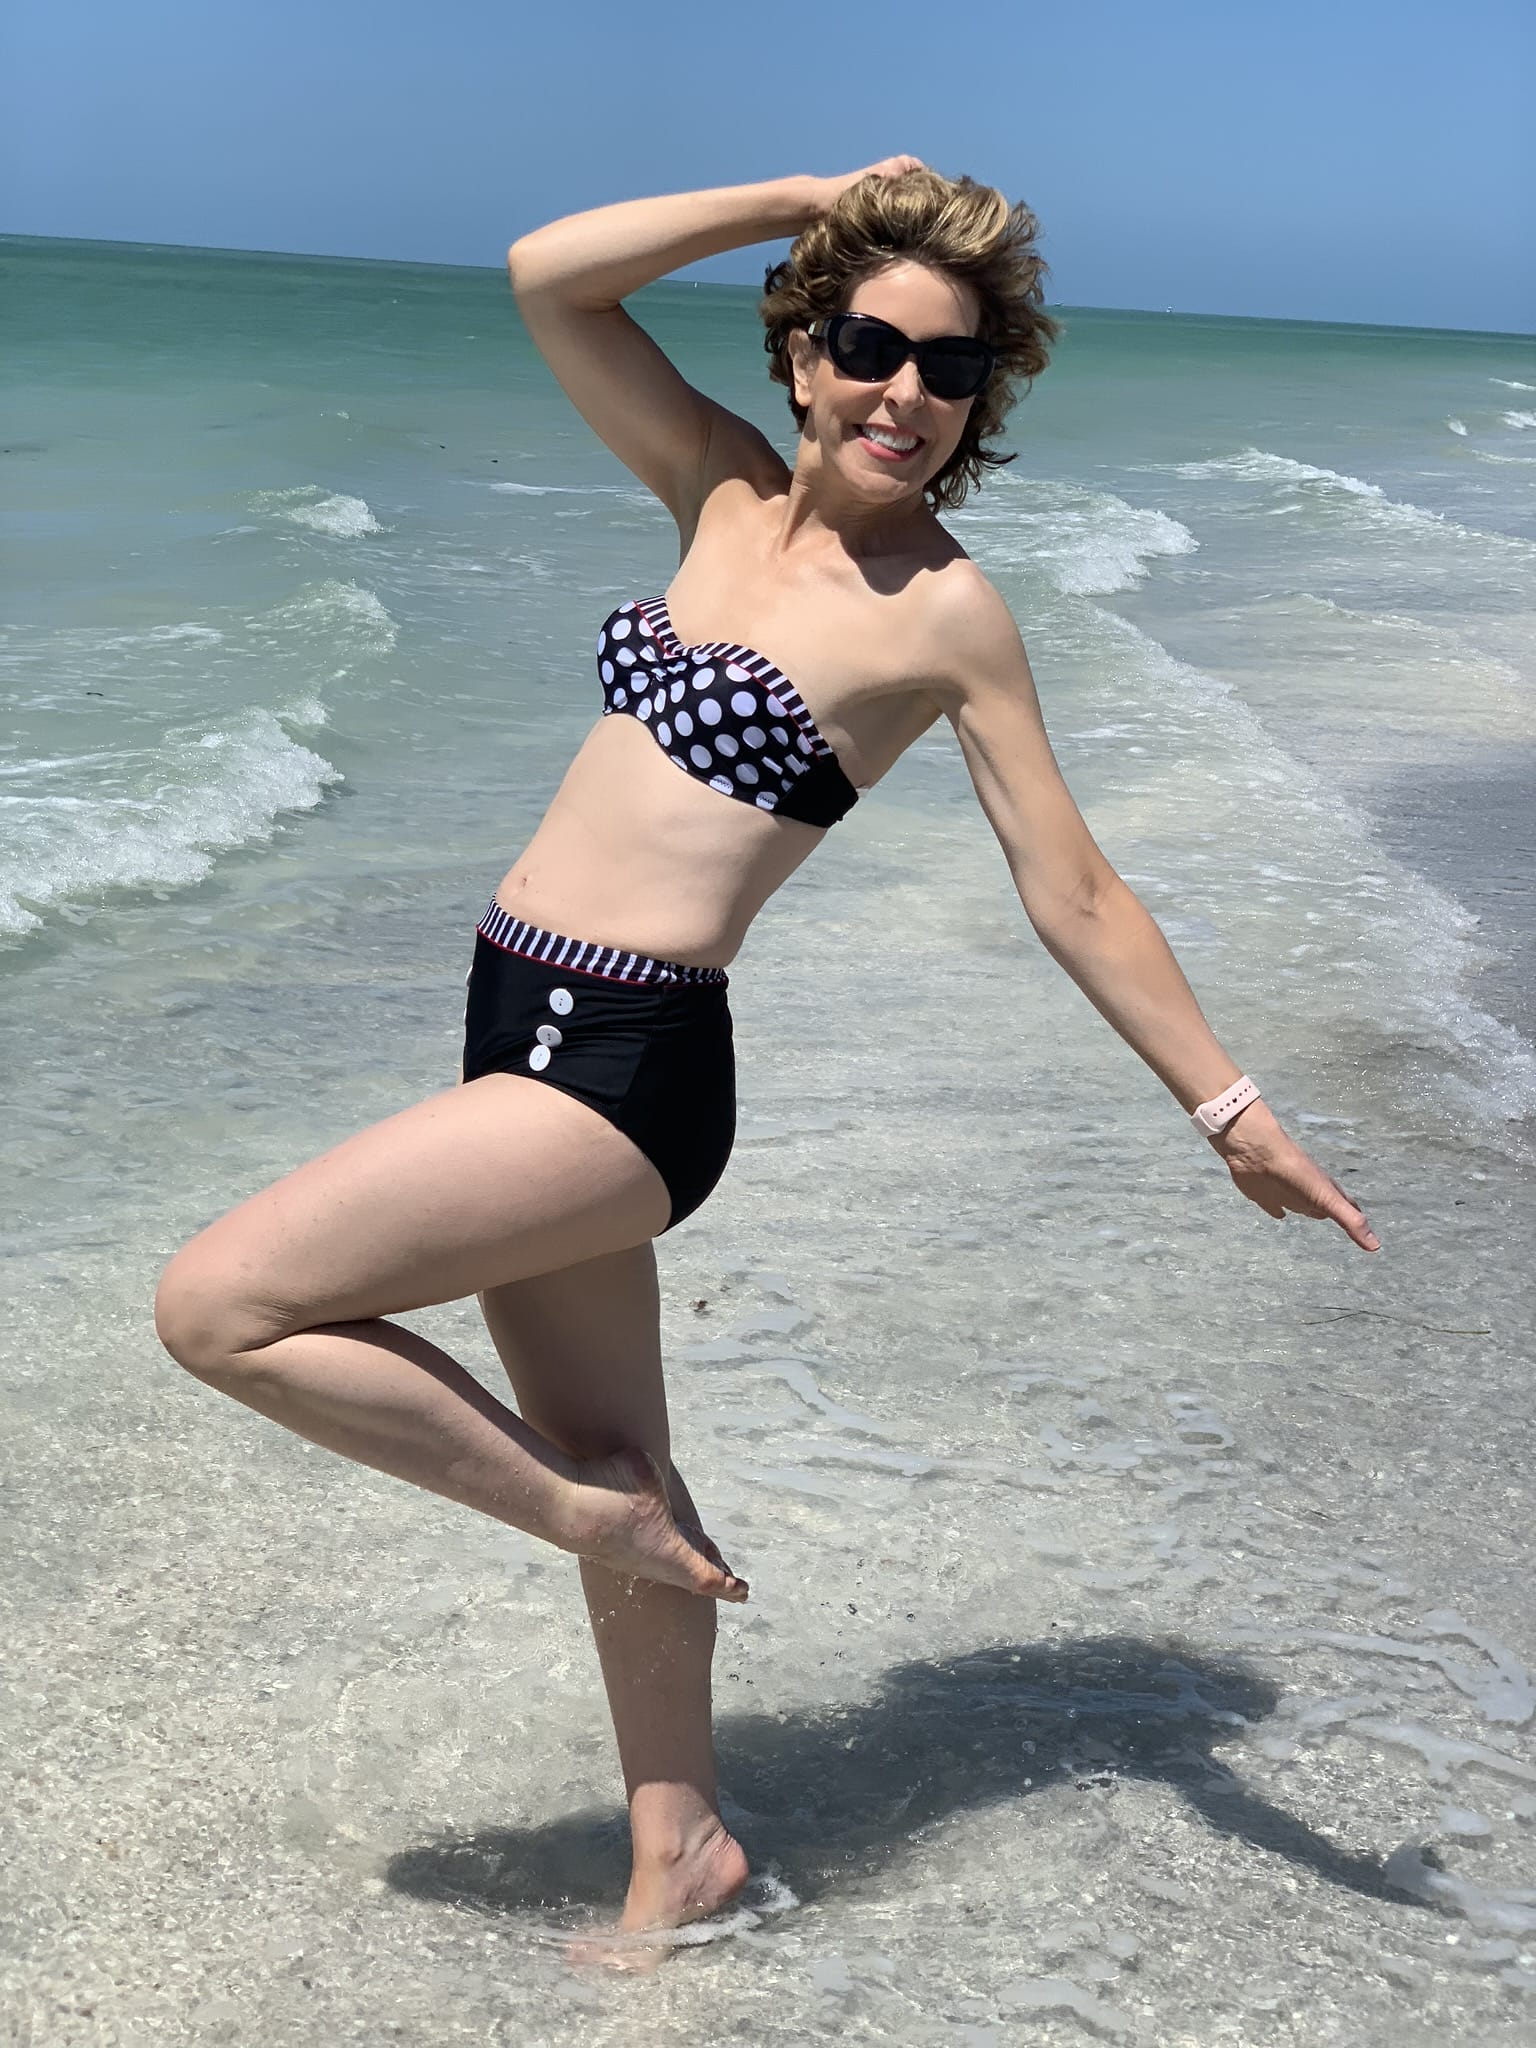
(819, 623)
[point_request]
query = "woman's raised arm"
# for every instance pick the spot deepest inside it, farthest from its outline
(569, 279)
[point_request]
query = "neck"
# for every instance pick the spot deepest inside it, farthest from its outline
(820, 511)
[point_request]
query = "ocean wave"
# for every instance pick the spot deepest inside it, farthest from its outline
(1456, 426)
(1087, 543)
(1512, 384)
(332, 513)
(1519, 419)
(333, 610)
(1333, 488)
(170, 810)
(556, 490)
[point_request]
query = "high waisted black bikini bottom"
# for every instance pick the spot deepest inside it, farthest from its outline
(646, 1043)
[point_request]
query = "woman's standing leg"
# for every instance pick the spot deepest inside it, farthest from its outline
(583, 1350)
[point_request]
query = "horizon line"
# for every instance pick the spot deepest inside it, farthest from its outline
(724, 284)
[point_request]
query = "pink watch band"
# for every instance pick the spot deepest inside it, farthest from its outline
(1215, 1115)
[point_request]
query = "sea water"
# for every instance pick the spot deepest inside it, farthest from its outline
(1141, 1633)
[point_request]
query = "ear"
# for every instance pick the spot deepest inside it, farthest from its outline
(802, 364)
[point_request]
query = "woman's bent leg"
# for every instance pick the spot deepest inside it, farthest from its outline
(280, 1304)
(582, 1348)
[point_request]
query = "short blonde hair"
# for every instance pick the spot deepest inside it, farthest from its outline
(954, 225)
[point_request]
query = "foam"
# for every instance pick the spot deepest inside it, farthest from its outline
(1087, 543)
(201, 794)
(332, 513)
(336, 610)
(1520, 419)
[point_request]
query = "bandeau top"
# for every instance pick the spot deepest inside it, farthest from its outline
(723, 714)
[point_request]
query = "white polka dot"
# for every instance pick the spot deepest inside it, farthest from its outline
(702, 678)
(683, 723)
(643, 708)
(606, 671)
(726, 743)
(710, 711)
(769, 762)
(745, 772)
(659, 701)
(621, 697)
(701, 757)
(722, 783)
(766, 800)
(737, 673)
(664, 732)
(755, 736)
(627, 656)
(775, 708)
(805, 745)
(780, 734)
(678, 759)
(677, 691)
(649, 654)
(743, 703)
(621, 629)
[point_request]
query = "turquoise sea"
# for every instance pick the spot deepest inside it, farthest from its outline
(1141, 1633)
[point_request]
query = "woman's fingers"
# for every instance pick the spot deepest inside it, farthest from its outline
(1351, 1218)
(1275, 1193)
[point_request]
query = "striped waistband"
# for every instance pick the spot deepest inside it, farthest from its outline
(581, 956)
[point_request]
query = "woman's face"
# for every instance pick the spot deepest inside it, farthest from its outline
(923, 304)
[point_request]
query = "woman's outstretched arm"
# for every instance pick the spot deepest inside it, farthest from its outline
(1089, 920)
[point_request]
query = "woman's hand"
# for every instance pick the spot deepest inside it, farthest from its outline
(1272, 1170)
(822, 191)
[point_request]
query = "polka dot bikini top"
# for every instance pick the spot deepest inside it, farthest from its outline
(723, 714)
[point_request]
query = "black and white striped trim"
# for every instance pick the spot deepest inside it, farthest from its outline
(581, 956)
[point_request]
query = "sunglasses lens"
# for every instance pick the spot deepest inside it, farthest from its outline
(866, 350)
(954, 369)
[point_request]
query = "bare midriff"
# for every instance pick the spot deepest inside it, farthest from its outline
(633, 852)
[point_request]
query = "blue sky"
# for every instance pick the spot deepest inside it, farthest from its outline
(1367, 160)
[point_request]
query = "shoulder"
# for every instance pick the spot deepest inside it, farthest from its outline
(972, 639)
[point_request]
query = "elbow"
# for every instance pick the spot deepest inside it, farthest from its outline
(1065, 915)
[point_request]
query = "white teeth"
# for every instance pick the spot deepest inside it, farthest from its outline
(903, 445)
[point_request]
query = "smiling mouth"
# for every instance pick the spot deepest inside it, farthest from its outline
(891, 445)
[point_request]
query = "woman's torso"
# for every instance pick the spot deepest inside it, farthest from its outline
(635, 852)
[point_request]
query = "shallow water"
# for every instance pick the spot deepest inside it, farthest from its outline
(1137, 1584)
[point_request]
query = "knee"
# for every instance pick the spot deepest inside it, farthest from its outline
(199, 1316)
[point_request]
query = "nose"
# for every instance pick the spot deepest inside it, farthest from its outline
(906, 388)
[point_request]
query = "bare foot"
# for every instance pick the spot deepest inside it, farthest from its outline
(665, 1893)
(623, 1519)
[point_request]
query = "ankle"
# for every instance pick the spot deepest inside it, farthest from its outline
(664, 1835)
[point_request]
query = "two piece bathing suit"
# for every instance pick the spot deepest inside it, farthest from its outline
(647, 1043)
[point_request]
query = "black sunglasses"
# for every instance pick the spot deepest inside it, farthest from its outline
(871, 350)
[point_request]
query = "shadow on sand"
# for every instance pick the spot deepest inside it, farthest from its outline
(831, 1797)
